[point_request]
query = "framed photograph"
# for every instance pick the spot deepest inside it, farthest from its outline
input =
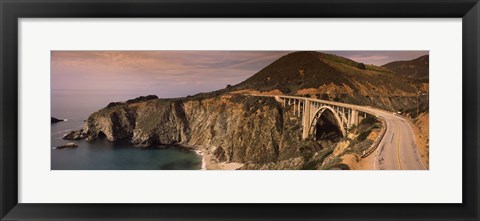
(228, 110)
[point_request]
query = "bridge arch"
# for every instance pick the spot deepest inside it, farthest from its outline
(321, 112)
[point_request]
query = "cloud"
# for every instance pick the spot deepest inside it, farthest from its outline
(155, 71)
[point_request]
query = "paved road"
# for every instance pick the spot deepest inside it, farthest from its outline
(398, 148)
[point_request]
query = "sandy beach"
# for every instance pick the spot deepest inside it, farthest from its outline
(209, 162)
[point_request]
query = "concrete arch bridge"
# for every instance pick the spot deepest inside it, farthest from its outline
(395, 149)
(311, 111)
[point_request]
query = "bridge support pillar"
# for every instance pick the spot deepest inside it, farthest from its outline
(353, 118)
(361, 117)
(294, 107)
(299, 106)
(306, 119)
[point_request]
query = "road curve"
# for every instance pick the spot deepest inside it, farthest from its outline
(397, 150)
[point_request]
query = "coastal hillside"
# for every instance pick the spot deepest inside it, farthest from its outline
(230, 126)
(331, 77)
(245, 131)
(415, 69)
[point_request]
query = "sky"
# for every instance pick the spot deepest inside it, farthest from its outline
(176, 73)
(379, 57)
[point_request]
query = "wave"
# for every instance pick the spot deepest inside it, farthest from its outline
(63, 131)
(204, 163)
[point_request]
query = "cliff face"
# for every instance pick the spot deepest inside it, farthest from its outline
(257, 131)
(234, 128)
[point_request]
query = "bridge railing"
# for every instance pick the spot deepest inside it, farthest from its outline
(363, 109)
(345, 114)
(377, 141)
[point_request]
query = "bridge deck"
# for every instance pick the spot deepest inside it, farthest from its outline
(397, 148)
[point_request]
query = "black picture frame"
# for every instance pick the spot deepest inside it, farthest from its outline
(12, 10)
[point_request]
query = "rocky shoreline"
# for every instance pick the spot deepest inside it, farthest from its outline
(237, 129)
(68, 145)
(210, 161)
(229, 131)
(55, 120)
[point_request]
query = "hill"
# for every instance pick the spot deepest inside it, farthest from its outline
(258, 133)
(332, 77)
(416, 69)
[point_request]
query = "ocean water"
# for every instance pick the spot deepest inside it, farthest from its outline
(76, 106)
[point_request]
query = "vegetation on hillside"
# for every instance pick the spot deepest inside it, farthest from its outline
(258, 131)
(417, 69)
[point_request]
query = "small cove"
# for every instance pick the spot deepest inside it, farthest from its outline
(102, 154)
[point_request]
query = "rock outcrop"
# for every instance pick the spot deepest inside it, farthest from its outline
(68, 145)
(242, 128)
(258, 132)
(75, 135)
(55, 120)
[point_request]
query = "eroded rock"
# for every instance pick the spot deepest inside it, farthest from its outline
(74, 135)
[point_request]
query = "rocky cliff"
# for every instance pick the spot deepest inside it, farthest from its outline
(257, 132)
(233, 128)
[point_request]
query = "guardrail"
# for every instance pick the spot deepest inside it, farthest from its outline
(377, 141)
